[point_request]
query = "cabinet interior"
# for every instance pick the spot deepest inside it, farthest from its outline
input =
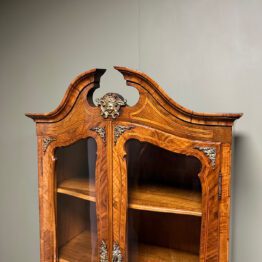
(76, 197)
(164, 200)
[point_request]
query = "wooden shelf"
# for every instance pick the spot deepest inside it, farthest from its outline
(78, 249)
(78, 187)
(165, 199)
(149, 198)
(151, 253)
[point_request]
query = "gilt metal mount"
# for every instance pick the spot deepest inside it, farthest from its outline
(119, 130)
(100, 131)
(117, 255)
(46, 141)
(110, 105)
(103, 252)
(210, 152)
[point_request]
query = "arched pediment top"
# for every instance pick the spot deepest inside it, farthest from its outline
(143, 82)
(147, 88)
(89, 79)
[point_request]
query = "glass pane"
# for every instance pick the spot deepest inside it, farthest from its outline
(164, 194)
(76, 207)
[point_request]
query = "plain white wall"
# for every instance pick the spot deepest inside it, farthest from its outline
(206, 54)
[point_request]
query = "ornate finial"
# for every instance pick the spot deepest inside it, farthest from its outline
(46, 141)
(103, 252)
(110, 104)
(100, 131)
(117, 256)
(119, 130)
(210, 152)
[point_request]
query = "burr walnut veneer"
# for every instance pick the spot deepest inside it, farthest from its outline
(149, 182)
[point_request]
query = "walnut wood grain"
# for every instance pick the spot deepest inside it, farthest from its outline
(173, 231)
(165, 200)
(208, 177)
(144, 83)
(88, 79)
(78, 249)
(151, 198)
(156, 119)
(78, 187)
(73, 217)
(146, 253)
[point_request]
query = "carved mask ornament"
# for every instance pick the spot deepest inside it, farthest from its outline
(110, 104)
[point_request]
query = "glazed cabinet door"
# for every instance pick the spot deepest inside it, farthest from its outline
(74, 196)
(165, 196)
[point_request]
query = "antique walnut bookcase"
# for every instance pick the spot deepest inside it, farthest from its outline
(149, 182)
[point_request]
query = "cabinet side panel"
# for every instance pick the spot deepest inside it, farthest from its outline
(40, 200)
(224, 207)
(46, 205)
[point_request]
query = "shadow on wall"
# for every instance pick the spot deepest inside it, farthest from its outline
(242, 193)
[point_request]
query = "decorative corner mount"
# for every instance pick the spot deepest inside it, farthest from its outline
(100, 131)
(117, 255)
(103, 252)
(119, 130)
(210, 152)
(46, 141)
(110, 105)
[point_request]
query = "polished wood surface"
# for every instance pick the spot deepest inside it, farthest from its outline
(208, 177)
(78, 187)
(78, 249)
(150, 198)
(179, 232)
(155, 119)
(72, 218)
(146, 253)
(144, 83)
(166, 200)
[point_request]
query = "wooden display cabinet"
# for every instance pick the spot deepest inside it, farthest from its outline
(149, 182)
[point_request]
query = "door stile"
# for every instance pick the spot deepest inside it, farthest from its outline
(209, 180)
(47, 202)
(224, 203)
(103, 208)
(119, 199)
(109, 159)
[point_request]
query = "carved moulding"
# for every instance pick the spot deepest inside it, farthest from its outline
(210, 152)
(103, 252)
(110, 104)
(100, 131)
(117, 255)
(119, 130)
(46, 141)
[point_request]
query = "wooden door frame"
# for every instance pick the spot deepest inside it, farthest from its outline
(208, 177)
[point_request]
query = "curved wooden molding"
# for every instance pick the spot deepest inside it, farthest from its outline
(88, 79)
(146, 87)
(142, 82)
